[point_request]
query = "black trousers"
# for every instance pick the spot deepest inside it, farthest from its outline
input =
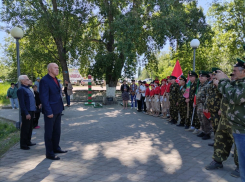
(36, 118)
(26, 130)
(143, 103)
(139, 105)
(52, 134)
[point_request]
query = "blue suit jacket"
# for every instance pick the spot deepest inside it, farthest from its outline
(50, 96)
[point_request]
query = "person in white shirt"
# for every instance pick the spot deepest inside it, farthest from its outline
(142, 91)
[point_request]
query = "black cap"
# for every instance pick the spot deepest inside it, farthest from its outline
(183, 78)
(172, 77)
(144, 82)
(192, 73)
(240, 63)
(204, 73)
(132, 80)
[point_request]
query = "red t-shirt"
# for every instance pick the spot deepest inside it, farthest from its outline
(157, 91)
(147, 92)
(163, 88)
(168, 87)
(55, 80)
(152, 92)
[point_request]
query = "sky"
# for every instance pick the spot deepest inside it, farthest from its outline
(205, 4)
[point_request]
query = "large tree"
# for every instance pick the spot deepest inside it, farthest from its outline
(53, 28)
(126, 32)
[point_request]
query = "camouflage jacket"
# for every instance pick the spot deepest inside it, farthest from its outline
(213, 98)
(235, 94)
(224, 122)
(202, 92)
(174, 92)
(181, 98)
(192, 93)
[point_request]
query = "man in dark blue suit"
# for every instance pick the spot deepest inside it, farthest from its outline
(52, 107)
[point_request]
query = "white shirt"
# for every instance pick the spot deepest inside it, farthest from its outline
(142, 88)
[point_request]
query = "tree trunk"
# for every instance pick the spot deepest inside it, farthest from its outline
(62, 59)
(111, 85)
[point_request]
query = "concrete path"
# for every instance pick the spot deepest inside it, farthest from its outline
(111, 144)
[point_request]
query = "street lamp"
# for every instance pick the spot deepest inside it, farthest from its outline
(194, 44)
(18, 33)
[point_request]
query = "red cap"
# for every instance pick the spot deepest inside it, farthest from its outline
(156, 81)
(168, 77)
(163, 80)
(147, 85)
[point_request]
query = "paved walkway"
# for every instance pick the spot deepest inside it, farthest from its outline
(111, 144)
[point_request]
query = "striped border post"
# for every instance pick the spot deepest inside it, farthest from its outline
(89, 89)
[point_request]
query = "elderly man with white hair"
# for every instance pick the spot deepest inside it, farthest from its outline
(52, 107)
(28, 108)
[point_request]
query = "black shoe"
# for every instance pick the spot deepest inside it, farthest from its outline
(206, 137)
(186, 127)
(25, 148)
(61, 151)
(211, 144)
(31, 144)
(62, 114)
(201, 134)
(53, 158)
(168, 116)
(174, 121)
(180, 124)
(139, 110)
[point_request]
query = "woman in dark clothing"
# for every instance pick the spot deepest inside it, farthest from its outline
(125, 96)
(38, 108)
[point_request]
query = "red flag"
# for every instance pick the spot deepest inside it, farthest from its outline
(177, 72)
(208, 115)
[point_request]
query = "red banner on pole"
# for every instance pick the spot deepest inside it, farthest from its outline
(177, 72)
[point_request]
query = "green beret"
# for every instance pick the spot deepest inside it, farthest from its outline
(240, 63)
(183, 78)
(192, 73)
(214, 70)
(204, 73)
(172, 77)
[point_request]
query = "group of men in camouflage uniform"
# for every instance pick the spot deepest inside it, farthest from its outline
(208, 110)
(213, 103)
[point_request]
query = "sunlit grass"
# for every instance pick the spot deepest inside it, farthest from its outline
(3, 93)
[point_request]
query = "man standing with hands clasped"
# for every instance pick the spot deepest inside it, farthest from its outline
(28, 108)
(235, 94)
(52, 107)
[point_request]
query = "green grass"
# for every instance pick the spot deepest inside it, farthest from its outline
(9, 136)
(3, 93)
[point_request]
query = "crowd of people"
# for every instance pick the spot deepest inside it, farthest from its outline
(209, 102)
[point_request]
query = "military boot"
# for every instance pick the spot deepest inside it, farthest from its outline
(206, 137)
(214, 165)
(201, 134)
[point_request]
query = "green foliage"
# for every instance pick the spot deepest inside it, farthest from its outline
(3, 93)
(6, 129)
(53, 30)
(131, 31)
(9, 136)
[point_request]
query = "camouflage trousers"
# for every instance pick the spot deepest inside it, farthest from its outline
(205, 123)
(214, 120)
(183, 112)
(195, 122)
(174, 110)
(223, 142)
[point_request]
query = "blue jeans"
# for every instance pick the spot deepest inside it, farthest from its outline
(67, 99)
(240, 144)
(14, 102)
(133, 100)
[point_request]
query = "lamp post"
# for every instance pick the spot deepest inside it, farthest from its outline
(194, 44)
(18, 33)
